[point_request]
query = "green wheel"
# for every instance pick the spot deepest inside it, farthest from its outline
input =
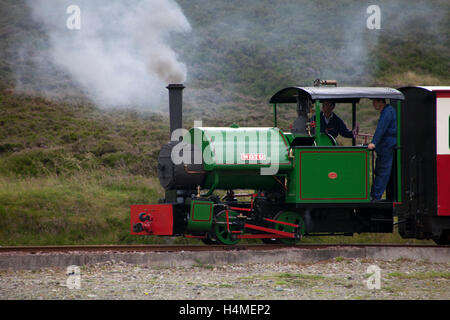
(291, 217)
(221, 229)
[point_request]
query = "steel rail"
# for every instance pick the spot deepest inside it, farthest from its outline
(178, 248)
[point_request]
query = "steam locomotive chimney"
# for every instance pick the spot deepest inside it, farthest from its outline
(175, 106)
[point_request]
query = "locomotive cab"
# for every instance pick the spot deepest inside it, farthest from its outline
(325, 172)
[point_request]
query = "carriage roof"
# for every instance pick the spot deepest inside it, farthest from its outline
(339, 94)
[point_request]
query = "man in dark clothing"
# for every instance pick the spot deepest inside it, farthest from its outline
(331, 124)
(384, 142)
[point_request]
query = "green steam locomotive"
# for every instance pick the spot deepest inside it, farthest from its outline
(296, 184)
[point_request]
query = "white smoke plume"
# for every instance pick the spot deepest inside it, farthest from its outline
(121, 55)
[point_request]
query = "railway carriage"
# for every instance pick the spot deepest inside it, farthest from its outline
(302, 183)
(424, 212)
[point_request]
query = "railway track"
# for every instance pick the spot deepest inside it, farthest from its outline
(178, 248)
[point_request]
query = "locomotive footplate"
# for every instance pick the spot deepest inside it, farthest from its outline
(378, 204)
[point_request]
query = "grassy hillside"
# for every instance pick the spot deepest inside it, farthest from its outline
(68, 173)
(263, 45)
(250, 51)
(88, 207)
(69, 170)
(39, 137)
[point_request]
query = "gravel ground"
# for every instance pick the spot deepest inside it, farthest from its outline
(335, 279)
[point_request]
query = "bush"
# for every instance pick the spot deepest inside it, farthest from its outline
(10, 147)
(119, 159)
(40, 162)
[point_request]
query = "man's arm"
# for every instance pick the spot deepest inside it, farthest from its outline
(382, 126)
(343, 130)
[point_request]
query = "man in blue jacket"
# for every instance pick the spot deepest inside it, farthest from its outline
(331, 124)
(384, 142)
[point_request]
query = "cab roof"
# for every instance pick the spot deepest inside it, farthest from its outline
(338, 94)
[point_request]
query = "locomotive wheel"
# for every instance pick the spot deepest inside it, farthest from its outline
(291, 217)
(444, 239)
(221, 230)
(209, 240)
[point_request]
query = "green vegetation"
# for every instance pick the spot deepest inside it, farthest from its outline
(69, 170)
(39, 137)
(85, 208)
(296, 280)
(68, 173)
(420, 275)
(300, 276)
